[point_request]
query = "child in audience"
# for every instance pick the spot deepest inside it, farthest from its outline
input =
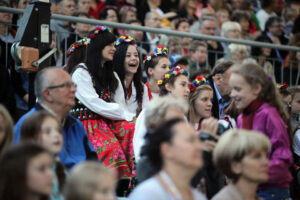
(173, 84)
(200, 101)
(76, 54)
(156, 65)
(90, 181)
(6, 129)
(255, 94)
(126, 63)
(43, 128)
(295, 107)
(26, 173)
(295, 113)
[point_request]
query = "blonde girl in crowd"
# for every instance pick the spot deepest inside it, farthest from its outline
(200, 101)
(90, 180)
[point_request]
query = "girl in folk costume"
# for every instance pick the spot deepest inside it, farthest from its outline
(76, 54)
(173, 83)
(102, 109)
(156, 65)
(262, 110)
(127, 65)
(200, 101)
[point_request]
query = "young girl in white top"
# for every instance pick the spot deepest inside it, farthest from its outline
(156, 65)
(127, 65)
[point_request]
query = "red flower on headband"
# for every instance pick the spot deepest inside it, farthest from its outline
(92, 36)
(192, 87)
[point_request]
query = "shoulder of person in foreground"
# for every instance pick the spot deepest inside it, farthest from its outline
(149, 190)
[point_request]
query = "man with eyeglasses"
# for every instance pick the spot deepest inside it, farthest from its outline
(55, 93)
(61, 28)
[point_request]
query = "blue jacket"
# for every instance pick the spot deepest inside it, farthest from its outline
(76, 145)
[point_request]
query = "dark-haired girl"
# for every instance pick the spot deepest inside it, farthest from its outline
(76, 54)
(127, 65)
(102, 108)
(156, 65)
(174, 84)
(175, 152)
(26, 173)
(43, 128)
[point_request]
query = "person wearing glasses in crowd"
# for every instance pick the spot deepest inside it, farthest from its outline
(55, 93)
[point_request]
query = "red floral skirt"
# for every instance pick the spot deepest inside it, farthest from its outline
(113, 142)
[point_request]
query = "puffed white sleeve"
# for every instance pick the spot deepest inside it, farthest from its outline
(88, 96)
(139, 134)
(145, 97)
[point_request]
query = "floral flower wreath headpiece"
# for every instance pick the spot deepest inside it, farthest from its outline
(99, 29)
(175, 71)
(125, 39)
(159, 51)
(199, 80)
(78, 44)
(282, 87)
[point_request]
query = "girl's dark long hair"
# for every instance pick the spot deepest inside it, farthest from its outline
(118, 63)
(164, 133)
(103, 77)
(76, 57)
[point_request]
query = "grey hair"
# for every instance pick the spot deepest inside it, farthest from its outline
(41, 82)
(205, 18)
(157, 108)
(148, 15)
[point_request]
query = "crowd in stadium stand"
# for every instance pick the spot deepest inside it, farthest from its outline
(126, 114)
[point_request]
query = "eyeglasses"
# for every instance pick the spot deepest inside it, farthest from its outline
(65, 84)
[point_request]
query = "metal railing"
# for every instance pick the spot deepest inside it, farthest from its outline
(172, 33)
(159, 30)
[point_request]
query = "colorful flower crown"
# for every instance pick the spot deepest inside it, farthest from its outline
(79, 43)
(125, 39)
(199, 80)
(282, 87)
(175, 71)
(97, 30)
(159, 51)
